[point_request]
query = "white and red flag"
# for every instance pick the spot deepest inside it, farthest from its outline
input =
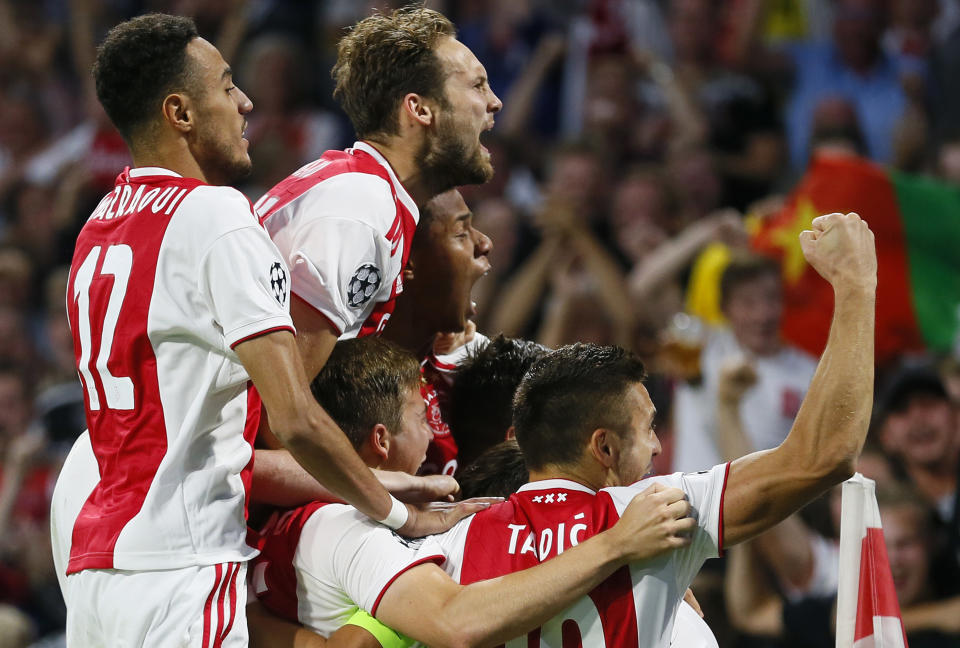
(868, 614)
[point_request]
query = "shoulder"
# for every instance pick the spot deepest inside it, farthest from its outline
(210, 211)
(352, 195)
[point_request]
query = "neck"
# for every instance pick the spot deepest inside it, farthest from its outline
(401, 154)
(591, 478)
(172, 155)
(407, 329)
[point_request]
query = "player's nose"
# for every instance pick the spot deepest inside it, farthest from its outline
(482, 243)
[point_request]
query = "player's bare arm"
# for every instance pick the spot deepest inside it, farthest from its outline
(429, 606)
(316, 336)
(270, 631)
(831, 426)
(280, 481)
(274, 365)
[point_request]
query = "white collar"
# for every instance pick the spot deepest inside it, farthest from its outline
(548, 484)
(140, 172)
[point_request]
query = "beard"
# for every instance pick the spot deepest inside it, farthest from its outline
(221, 163)
(446, 162)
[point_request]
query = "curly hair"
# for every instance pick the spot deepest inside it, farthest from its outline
(140, 62)
(383, 58)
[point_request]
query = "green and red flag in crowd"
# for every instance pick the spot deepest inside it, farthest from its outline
(916, 222)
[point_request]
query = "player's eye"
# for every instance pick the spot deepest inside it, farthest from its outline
(231, 89)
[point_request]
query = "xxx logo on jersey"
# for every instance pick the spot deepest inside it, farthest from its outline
(278, 281)
(363, 285)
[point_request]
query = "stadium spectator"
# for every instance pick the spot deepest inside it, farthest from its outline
(805, 615)
(752, 303)
(853, 65)
(918, 426)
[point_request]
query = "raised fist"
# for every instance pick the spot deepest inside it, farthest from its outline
(841, 248)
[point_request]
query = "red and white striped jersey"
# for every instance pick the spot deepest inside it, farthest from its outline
(320, 562)
(635, 607)
(439, 372)
(344, 225)
(168, 276)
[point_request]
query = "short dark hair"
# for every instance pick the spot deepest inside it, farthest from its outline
(365, 382)
(481, 399)
(912, 377)
(383, 58)
(141, 61)
(498, 472)
(744, 268)
(568, 394)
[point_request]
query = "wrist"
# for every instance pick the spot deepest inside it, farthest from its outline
(613, 548)
(860, 290)
(397, 516)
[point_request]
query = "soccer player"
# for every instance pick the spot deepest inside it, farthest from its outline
(320, 562)
(419, 101)
(447, 257)
(177, 300)
(584, 422)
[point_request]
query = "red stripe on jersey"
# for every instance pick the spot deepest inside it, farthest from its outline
(261, 333)
(438, 559)
(723, 492)
(330, 164)
(279, 539)
(115, 261)
(208, 606)
(536, 525)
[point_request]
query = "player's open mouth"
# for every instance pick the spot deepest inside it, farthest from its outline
(481, 137)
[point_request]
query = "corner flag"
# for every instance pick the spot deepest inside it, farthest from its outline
(868, 614)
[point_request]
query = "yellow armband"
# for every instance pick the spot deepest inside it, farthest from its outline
(388, 637)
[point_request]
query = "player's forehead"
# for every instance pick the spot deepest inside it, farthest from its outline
(448, 209)
(458, 61)
(639, 399)
(208, 64)
(413, 402)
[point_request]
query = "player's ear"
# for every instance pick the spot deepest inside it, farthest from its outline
(602, 446)
(178, 112)
(379, 442)
(416, 109)
(511, 434)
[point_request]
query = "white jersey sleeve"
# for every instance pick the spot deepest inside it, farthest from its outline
(345, 560)
(338, 249)
(245, 281)
(705, 493)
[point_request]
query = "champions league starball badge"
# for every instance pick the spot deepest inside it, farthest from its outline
(278, 281)
(363, 285)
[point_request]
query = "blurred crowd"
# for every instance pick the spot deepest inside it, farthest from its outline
(634, 134)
